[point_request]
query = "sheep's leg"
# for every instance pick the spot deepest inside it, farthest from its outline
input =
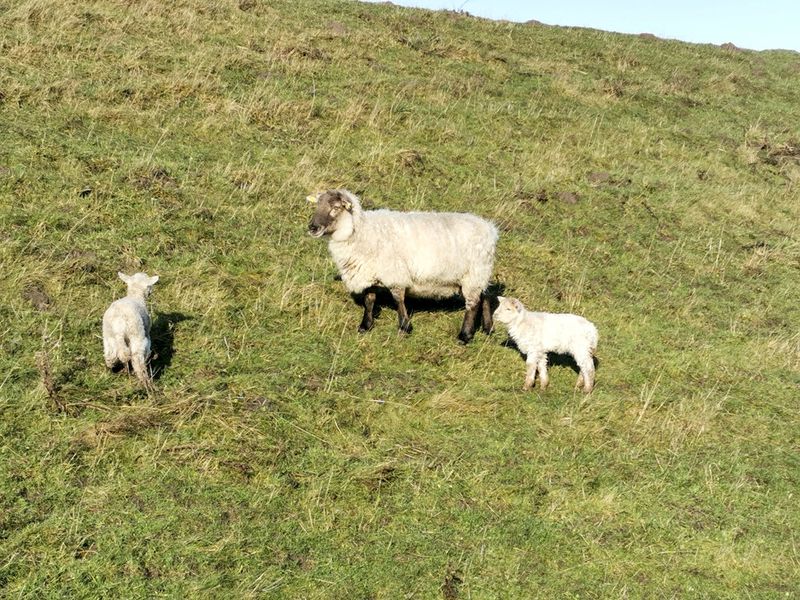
(586, 378)
(544, 380)
(470, 315)
(369, 307)
(399, 295)
(530, 375)
(486, 320)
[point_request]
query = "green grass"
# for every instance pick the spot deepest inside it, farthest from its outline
(283, 454)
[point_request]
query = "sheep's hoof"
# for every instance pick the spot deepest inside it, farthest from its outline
(405, 329)
(464, 337)
(364, 327)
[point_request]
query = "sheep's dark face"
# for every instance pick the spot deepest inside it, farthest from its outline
(329, 206)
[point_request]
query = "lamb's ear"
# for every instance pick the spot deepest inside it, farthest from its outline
(152, 280)
(346, 202)
(125, 278)
(517, 305)
(501, 298)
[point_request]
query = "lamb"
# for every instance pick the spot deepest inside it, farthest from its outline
(423, 254)
(126, 327)
(537, 333)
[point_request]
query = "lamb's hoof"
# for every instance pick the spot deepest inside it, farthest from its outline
(405, 330)
(364, 327)
(464, 337)
(488, 331)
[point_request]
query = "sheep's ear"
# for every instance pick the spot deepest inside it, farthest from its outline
(125, 278)
(501, 298)
(517, 305)
(152, 280)
(312, 198)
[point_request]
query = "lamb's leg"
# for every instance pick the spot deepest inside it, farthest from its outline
(473, 305)
(123, 350)
(486, 321)
(399, 295)
(544, 380)
(530, 375)
(586, 378)
(369, 306)
(109, 352)
(139, 355)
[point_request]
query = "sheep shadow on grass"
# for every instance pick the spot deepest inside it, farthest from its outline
(455, 303)
(162, 340)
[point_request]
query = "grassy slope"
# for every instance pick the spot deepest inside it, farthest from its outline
(286, 455)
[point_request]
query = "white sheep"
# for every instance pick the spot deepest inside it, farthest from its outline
(537, 333)
(422, 254)
(126, 327)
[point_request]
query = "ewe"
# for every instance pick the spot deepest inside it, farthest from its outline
(126, 327)
(537, 333)
(422, 254)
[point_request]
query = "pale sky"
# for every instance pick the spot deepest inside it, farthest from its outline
(758, 25)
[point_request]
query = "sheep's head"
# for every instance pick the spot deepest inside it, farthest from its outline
(508, 309)
(139, 284)
(330, 209)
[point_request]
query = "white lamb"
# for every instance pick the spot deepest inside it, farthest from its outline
(126, 327)
(422, 254)
(537, 333)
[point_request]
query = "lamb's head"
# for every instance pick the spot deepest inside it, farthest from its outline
(508, 310)
(333, 214)
(139, 284)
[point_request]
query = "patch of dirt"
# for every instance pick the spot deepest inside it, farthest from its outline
(598, 177)
(82, 261)
(411, 160)
(155, 177)
(778, 154)
(35, 294)
(568, 197)
(452, 581)
(337, 28)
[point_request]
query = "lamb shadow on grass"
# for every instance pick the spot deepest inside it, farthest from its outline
(554, 359)
(162, 339)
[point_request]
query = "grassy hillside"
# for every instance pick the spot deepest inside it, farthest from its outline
(650, 185)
